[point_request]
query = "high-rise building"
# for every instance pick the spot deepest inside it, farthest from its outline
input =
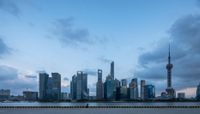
(30, 95)
(142, 84)
(4, 94)
(79, 89)
(109, 88)
(170, 91)
(117, 89)
(181, 96)
(99, 86)
(73, 86)
(124, 82)
(198, 92)
(149, 92)
(56, 86)
(112, 70)
(133, 86)
(49, 87)
(124, 90)
(43, 80)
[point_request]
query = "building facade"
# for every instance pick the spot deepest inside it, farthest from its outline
(49, 87)
(149, 92)
(198, 92)
(30, 95)
(142, 84)
(79, 89)
(109, 88)
(4, 94)
(99, 86)
(134, 89)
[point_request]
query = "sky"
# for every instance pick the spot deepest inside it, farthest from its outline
(67, 36)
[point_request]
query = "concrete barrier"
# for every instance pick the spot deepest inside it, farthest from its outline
(32, 107)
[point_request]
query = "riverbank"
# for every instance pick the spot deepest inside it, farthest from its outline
(100, 111)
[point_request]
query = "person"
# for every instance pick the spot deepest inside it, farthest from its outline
(87, 105)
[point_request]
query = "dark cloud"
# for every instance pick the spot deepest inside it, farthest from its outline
(9, 79)
(91, 72)
(66, 79)
(66, 32)
(7, 73)
(31, 76)
(10, 6)
(4, 49)
(104, 60)
(185, 52)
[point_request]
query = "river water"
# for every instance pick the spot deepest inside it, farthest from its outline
(101, 104)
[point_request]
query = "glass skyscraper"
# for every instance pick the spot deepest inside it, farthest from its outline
(79, 89)
(149, 92)
(49, 87)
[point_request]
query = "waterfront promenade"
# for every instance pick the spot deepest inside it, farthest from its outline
(99, 109)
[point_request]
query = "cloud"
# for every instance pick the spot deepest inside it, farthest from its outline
(66, 32)
(104, 60)
(66, 79)
(4, 49)
(31, 76)
(9, 79)
(10, 6)
(185, 52)
(91, 72)
(7, 73)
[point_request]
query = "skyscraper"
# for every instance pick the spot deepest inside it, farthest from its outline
(124, 82)
(149, 92)
(79, 90)
(49, 87)
(198, 92)
(170, 91)
(112, 69)
(133, 89)
(73, 86)
(56, 86)
(142, 84)
(43, 80)
(99, 86)
(109, 88)
(124, 90)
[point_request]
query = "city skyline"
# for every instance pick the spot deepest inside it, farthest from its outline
(68, 36)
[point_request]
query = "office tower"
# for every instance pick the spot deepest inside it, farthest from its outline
(149, 92)
(99, 86)
(43, 80)
(73, 86)
(49, 87)
(124, 90)
(181, 96)
(4, 94)
(109, 88)
(198, 92)
(117, 83)
(142, 84)
(124, 82)
(30, 95)
(117, 89)
(112, 69)
(79, 90)
(133, 86)
(56, 86)
(170, 91)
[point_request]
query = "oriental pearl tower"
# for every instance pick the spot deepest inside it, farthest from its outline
(170, 91)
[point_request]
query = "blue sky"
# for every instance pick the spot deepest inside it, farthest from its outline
(69, 35)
